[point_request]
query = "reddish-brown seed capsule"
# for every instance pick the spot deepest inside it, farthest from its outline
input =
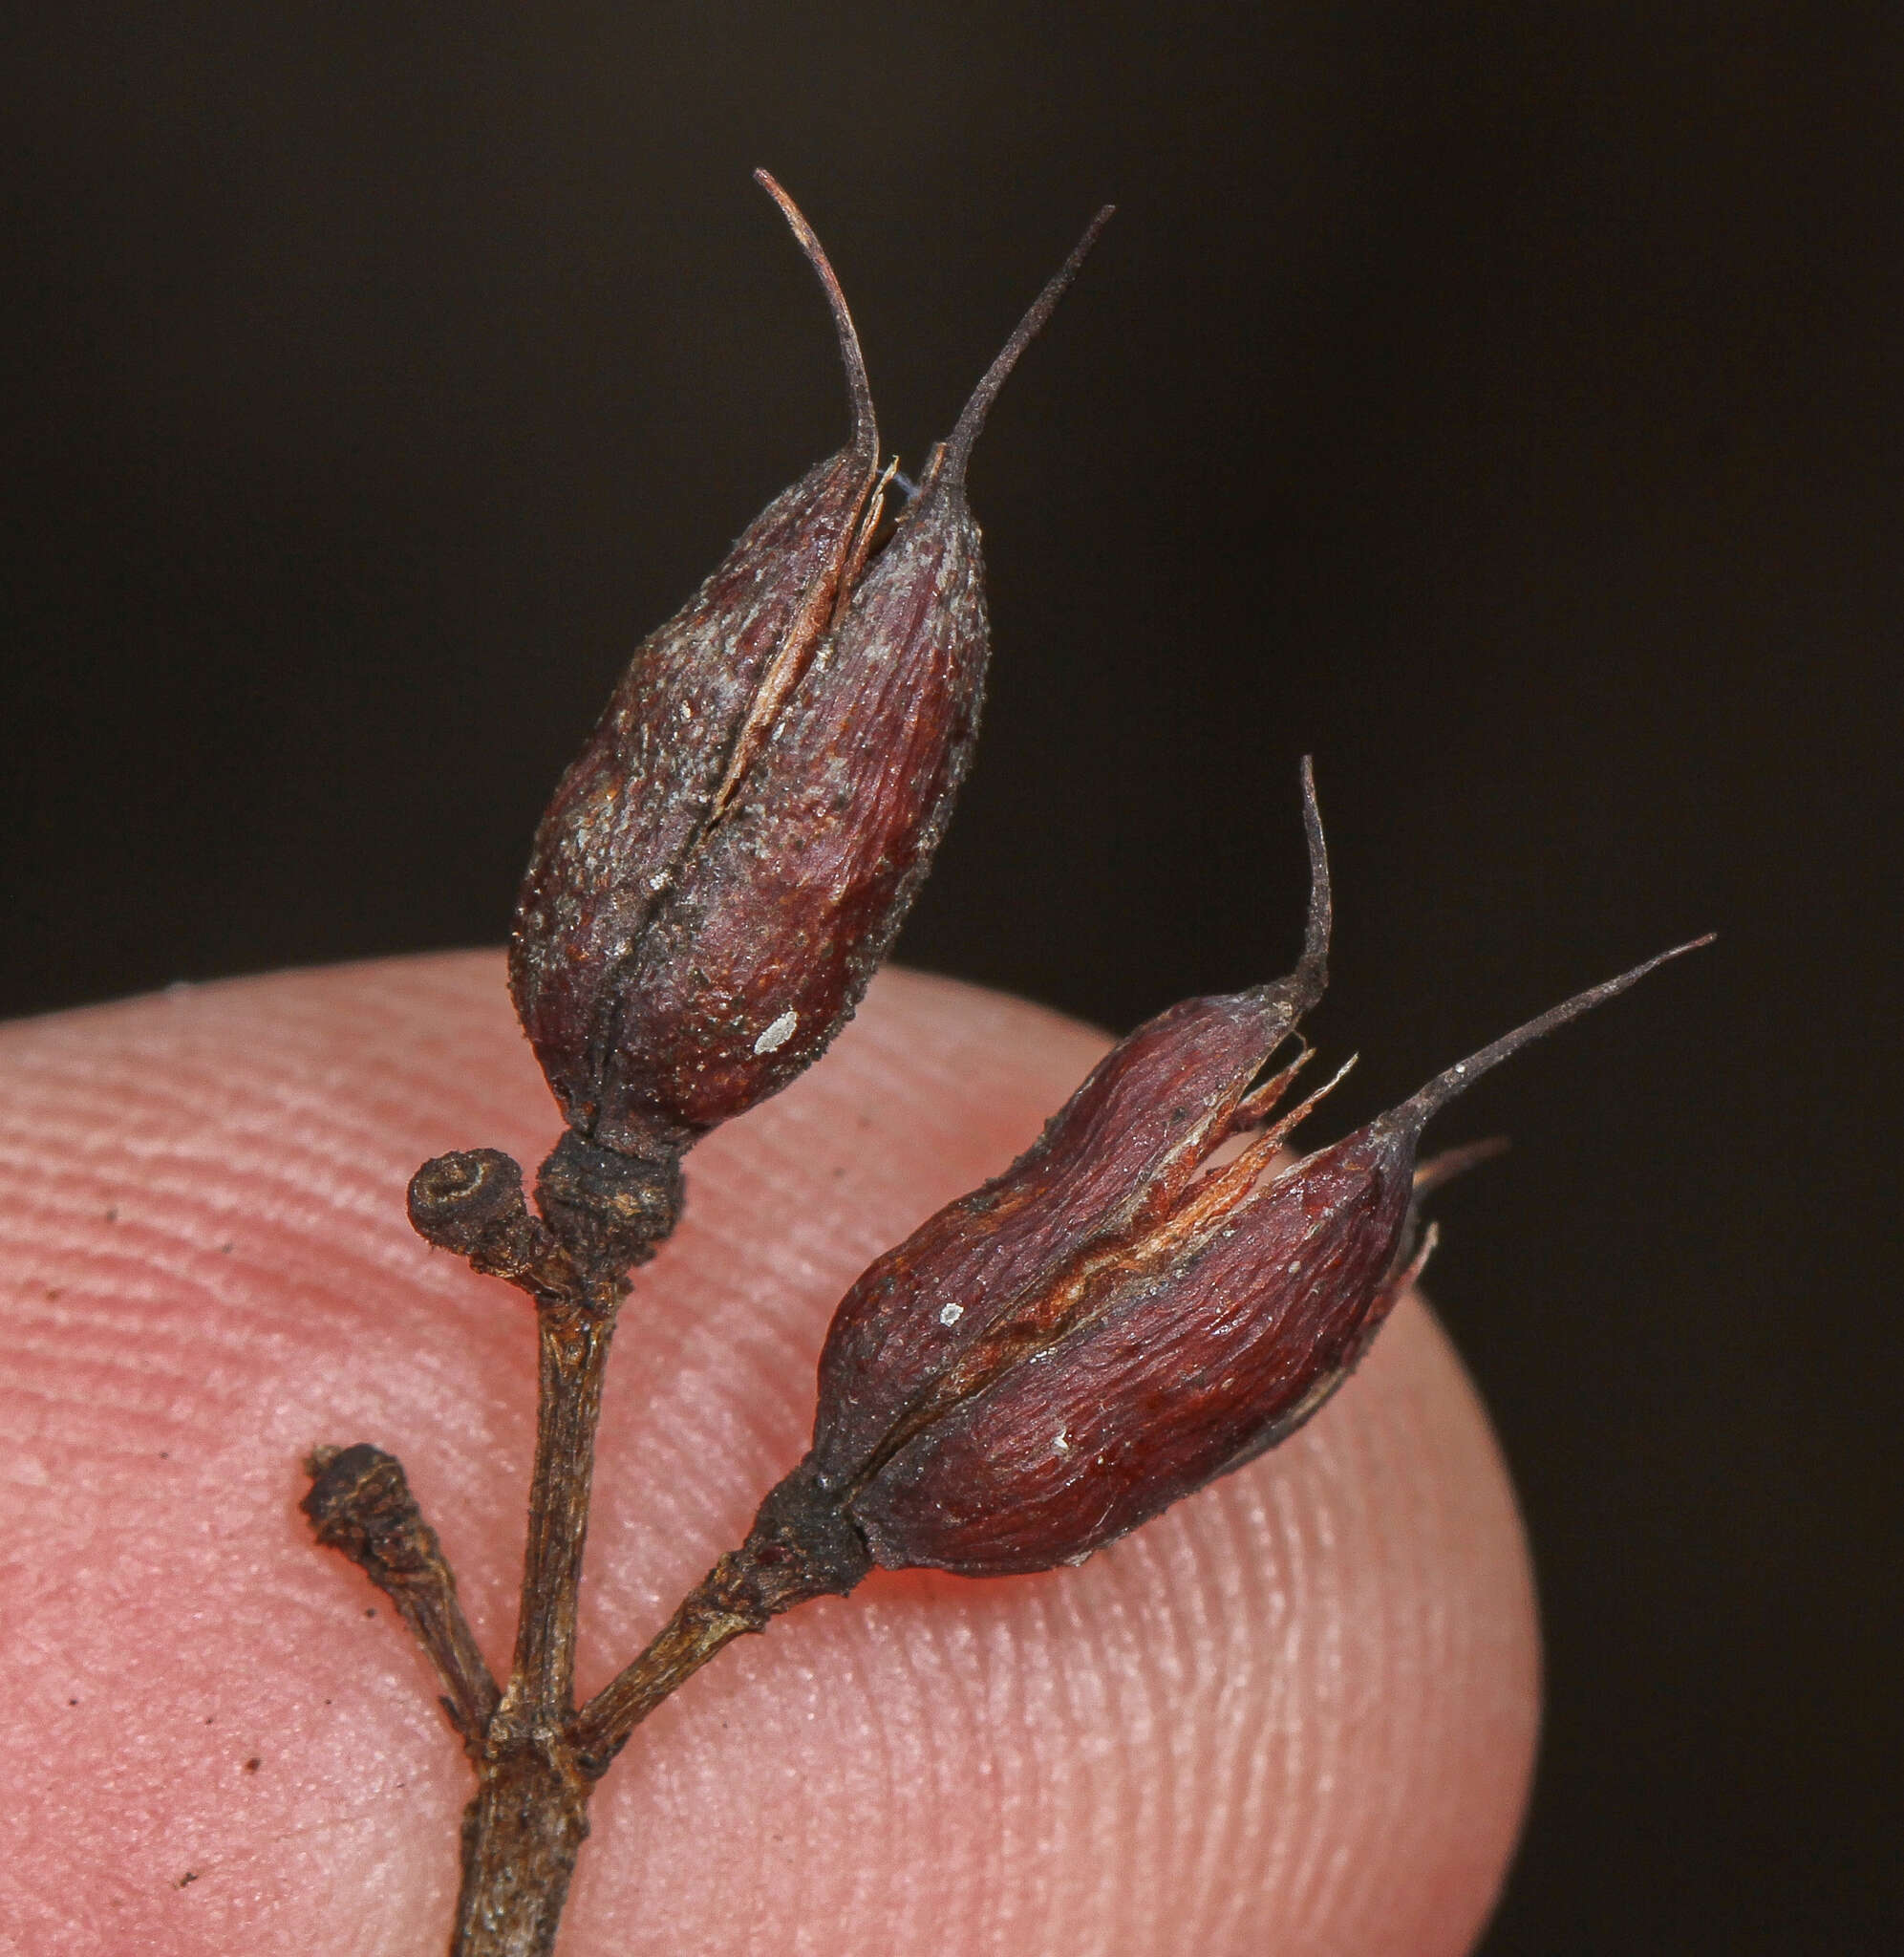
(1000, 1272)
(667, 991)
(1115, 1364)
(695, 705)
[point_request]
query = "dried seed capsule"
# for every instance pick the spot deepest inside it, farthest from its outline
(762, 941)
(700, 695)
(1114, 1371)
(994, 1273)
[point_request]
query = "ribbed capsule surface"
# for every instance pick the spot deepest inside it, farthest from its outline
(700, 920)
(1129, 1376)
(1194, 1355)
(751, 962)
(995, 1273)
(702, 691)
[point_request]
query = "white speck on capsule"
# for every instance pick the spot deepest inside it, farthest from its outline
(778, 1033)
(1061, 1442)
(951, 1314)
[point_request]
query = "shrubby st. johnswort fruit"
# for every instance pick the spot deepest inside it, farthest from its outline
(1146, 1300)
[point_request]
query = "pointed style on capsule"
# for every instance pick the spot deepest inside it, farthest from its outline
(698, 701)
(706, 984)
(1118, 1321)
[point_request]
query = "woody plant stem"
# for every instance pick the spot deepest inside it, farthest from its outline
(535, 1758)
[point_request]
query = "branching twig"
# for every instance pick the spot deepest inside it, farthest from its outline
(361, 1503)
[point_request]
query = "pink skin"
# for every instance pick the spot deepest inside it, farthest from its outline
(1296, 1714)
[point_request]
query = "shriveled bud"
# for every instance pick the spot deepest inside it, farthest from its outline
(1134, 1338)
(717, 969)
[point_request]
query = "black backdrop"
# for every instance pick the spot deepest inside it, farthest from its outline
(1501, 400)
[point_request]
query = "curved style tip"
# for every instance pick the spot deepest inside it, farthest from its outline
(1416, 1111)
(1311, 971)
(866, 431)
(948, 462)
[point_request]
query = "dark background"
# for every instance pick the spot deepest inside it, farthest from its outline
(1501, 400)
